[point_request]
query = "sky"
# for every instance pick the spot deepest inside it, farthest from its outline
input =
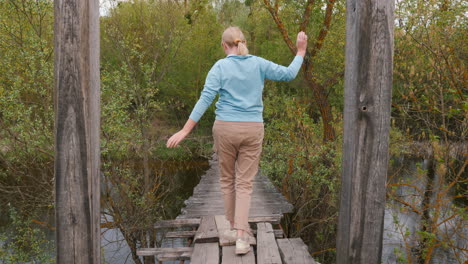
(105, 5)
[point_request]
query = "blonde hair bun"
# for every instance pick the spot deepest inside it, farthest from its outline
(233, 36)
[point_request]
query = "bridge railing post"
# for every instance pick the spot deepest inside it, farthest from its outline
(368, 86)
(77, 121)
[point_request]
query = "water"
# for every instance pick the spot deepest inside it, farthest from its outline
(402, 223)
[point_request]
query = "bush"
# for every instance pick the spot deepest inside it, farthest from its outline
(306, 170)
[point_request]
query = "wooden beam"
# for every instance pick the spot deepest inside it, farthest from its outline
(77, 122)
(294, 251)
(368, 86)
(205, 253)
(207, 231)
(175, 234)
(157, 251)
(177, 223)
(229, 256)
(267, 249)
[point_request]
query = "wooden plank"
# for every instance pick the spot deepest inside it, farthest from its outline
(254, 210)
(216, 195)
(368, 88)
(177, 223)
(198, 201)
(196, 213)
(175, 234)
(294, 251)
(205, 253)
(230, 256)
(278, 233)
(209, 204)
(174, 256)
(207, 231)
(267, 249)
(300, 246)
(156, 251)
(77, 130)
(265, 189)
(274, 219)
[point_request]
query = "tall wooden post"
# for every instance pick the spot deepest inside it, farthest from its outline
(77, 121)
(368, 85)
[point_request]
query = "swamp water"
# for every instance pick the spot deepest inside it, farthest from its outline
(402, 225)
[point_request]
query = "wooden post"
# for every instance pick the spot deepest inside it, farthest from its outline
(368, 84)
(77, 121)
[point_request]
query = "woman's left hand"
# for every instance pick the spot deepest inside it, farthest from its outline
(176, 139)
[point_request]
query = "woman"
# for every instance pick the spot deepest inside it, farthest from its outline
(238, 129)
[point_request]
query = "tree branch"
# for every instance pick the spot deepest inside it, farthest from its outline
(306, 16)
(324, 31)
(279, 23)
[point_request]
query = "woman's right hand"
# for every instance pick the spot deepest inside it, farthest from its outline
(301, 43)
(179, 136)
(176, 139)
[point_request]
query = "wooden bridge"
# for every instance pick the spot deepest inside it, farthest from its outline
(204, 217)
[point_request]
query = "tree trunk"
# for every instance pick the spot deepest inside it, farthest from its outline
(321, 99)
(426, 220)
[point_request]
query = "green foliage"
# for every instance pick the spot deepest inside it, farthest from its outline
(305, 169)
(26, 105)
(401, 258)
(430, 69)
(24, 242)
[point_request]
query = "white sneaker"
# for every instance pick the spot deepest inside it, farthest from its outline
(242, 245)
(229, 235)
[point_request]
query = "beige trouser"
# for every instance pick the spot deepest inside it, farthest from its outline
(238, 145)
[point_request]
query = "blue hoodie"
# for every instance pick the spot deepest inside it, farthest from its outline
(239, 80)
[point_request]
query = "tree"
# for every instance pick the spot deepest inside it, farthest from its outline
(26, 105)
(319, 87)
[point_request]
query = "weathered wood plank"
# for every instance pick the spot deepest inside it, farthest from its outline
(218, 195)
(368, 88)
(156, 251)
(278, 233)
(175, 234)
(259, 204)
(174, 256)
(207, 231)
(256, 209)
(177, 223)
(230, 256)
(294, 251)
(205, 253)
(201, 201)
(77, 123)
(274, 219)
(267, 249)
(259, 188)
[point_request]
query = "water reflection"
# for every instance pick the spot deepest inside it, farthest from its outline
(402, 225)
